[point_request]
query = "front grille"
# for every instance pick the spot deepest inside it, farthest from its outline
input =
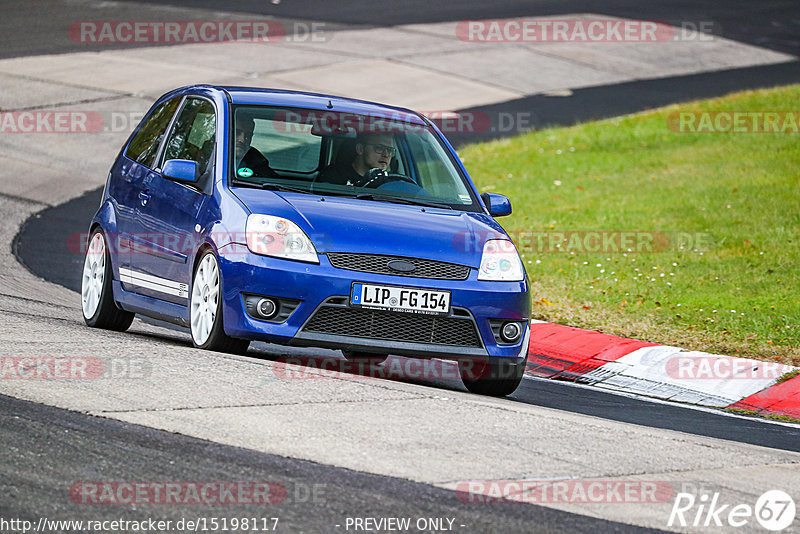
(377, 263)
(394, 326)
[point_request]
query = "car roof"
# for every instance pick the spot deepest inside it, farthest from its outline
(298, 99)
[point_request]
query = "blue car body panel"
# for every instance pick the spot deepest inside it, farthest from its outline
(377, 227)
(158, 228)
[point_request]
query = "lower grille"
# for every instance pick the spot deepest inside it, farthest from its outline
(392, 326)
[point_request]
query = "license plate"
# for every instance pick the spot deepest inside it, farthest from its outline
(400, 299)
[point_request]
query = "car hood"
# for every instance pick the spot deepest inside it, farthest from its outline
(339, 224)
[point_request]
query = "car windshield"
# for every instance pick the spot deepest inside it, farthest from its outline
(370, 157)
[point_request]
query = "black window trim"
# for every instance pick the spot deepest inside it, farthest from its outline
(158, 164)
(477, 205)
(232, 138)
(181, 106)
(161, 144)
(163, 147)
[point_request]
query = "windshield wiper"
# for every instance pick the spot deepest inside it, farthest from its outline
(271, 186)
(244, 183)
(400, 200)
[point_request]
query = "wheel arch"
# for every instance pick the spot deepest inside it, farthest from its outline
(97, 225)
(204, 247)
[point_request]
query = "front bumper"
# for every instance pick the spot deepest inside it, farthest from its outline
(324, 290)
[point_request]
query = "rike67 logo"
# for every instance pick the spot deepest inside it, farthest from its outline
(774, 510)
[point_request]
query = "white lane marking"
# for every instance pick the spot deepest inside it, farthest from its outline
(656, 371)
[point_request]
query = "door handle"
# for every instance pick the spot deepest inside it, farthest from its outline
(144, 196)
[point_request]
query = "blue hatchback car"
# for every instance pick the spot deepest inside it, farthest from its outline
(309, 220)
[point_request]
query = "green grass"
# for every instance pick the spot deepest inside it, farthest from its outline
(788, 376)
(756, 413)
(736, 290)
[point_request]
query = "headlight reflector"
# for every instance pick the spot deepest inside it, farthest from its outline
(500, 262)
(279, 237)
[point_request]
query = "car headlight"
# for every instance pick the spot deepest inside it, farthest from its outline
(279, 237)
(500, 262)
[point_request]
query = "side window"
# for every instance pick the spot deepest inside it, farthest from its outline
(435, 176)
(285, 140)
(144, 145)
(192, 137)
(290, 149)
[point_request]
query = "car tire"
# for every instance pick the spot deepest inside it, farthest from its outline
(205, 309)
(97, 299)
(496, 378)
(369, 358)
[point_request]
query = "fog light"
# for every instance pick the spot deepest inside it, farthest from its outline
(510, 332)
(266, 308)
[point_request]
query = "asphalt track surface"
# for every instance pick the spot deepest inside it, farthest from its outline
(318, 498)
(773, 24)
(46, 449)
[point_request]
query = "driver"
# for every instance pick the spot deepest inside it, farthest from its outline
(249, 161)
(372, 150)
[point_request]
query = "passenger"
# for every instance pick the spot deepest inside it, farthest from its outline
(248, 158)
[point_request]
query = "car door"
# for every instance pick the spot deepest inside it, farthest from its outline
(162, 261)
(128, 174)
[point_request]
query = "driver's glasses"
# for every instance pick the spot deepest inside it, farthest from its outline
(383, 149)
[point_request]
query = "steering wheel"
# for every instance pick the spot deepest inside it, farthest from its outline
(377, 177)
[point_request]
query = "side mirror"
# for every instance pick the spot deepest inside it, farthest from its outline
(498, 205)
(180, 170)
